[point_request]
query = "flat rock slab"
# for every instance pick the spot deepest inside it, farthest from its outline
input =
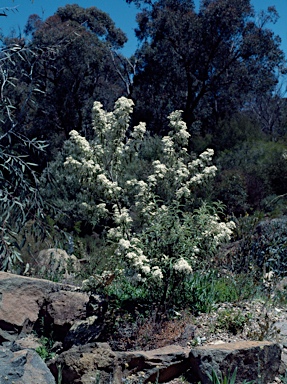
(254, 360)
(161, 365)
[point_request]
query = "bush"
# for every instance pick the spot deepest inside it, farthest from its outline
(161, 235)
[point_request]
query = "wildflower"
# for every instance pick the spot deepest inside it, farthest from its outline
(159, 168)
(139, 131)
(121, 215)
(156, 273)
(207, 155)
(183, 191)
(102, 208)
(145, 269)
(167, 144)
(124, 244)
(182, 266)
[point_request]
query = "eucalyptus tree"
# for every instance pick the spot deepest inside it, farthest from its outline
(20, 200)
(77, 68)
(203, 62)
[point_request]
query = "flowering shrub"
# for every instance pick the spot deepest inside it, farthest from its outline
(159, 239)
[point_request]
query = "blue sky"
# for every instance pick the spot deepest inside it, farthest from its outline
(122, 14)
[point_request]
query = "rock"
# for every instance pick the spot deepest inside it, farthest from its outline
(55, 262)
(91, 362)
(281, 285)
(28, 342)
(23, 367)
(28, 304)
(86, 364)
(84, 332)
(253, 359)
(62, 309)
(279, 328)
(158, 365)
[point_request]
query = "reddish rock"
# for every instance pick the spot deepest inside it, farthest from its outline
(87, 364)
(25, 302)
(254, 360)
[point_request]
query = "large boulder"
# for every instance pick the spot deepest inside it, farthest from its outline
(55, 262)
(254, 360)
(28, 304)
(87, 364)
(22, 367)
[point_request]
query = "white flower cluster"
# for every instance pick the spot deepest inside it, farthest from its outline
(122, 216)
(182, 266)
(180, 133)
(132, 252)
(80, 142)
(159, 169)
(219, 231)
(101, 166)
(139, 131)
(111, 188)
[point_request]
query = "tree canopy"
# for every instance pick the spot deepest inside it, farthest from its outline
(72, 66)
(205, 63)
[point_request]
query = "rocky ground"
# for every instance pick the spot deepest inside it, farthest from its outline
(227, 323)
(72, 319)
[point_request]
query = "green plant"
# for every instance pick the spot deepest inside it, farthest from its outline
(60, 374)
(229, 379)
(219, 379)
(20, 200)
(204, 289)
(44, 351)
(232, 321)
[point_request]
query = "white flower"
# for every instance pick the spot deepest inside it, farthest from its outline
(182, 266)
(81, 142)
(103, 179)
(139, 131)
(122, 215)
(131, 182)
(196, 179)
(115, 233)
(183, 191)
(131, 255)
(159, 167)
(71, 161)
(124, 104)
(182, 170)
(207, 155)
(156, 273)
(152, 179)
(102, 208)
(167, 144)
(145, 269)
(210, 171)
(124, 244)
